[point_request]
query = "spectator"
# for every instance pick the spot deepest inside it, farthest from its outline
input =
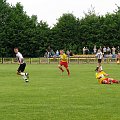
(118, 49)
(94, 49)
(104, 51)
(108, 50)
(52, 53)
(113, 50)
(57, 53)
(48, 51)
(71, 53)
(68, 53)
(84, 50)
(118, 58)
(46, 55)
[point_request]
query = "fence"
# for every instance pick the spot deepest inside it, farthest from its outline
(42, 60)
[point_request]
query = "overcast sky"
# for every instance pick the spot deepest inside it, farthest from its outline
(50, 10)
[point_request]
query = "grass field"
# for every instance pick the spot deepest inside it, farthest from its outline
(50, 96)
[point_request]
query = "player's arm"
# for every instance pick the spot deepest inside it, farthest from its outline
(60, 57)
(17, 60)
(105, 74)
(96, 55)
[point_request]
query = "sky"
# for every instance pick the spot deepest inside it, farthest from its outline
(50, 10)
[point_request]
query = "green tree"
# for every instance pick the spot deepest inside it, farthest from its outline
(65, 32)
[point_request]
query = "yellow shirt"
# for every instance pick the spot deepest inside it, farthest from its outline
(100, 76)
(63, 57)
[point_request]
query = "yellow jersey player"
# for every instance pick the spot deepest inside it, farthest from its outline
(102, 79)
(63, 62)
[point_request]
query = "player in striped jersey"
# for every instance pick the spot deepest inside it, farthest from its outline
(99, 56)
(22, 66)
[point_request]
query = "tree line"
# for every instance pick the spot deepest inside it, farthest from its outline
(33, 37)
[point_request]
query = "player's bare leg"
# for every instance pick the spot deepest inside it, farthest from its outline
(99, 65)
(68, 71)
(110, 81)
(60, 67)
(114, 81)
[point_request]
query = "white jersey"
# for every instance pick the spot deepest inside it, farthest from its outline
(99, 55)
(20, 58)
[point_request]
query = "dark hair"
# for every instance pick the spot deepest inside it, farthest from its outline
(16, 48)
(97, 68)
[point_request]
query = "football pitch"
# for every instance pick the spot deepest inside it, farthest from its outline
(52, 96)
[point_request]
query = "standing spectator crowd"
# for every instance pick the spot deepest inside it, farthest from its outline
(50, 53)
(107, 51)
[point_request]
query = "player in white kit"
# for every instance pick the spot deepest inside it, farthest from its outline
(22, 66)
(99, 56)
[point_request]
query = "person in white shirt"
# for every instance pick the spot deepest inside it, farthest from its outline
(104, 51)
(22, 65)
(84, 50)
(94, 49)
(99, 56)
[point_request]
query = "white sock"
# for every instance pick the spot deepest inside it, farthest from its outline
(24, 77)
(23, 74)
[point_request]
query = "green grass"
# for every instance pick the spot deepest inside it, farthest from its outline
(50, 96)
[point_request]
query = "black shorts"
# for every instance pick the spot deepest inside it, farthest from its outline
(99, 60)
(21, 67)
